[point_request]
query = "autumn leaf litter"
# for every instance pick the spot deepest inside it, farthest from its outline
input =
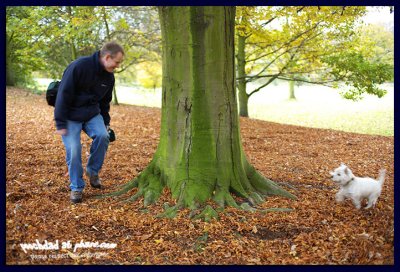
(317, 231)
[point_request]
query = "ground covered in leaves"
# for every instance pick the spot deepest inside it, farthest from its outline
(317, 231)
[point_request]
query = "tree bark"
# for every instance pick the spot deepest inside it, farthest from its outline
(200, 156)
(241, 71)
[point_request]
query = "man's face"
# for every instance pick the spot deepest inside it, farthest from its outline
(112, 62)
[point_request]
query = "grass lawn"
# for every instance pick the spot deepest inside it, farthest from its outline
(323, 107)
(315, 106)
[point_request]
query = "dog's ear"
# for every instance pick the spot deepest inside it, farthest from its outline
(347, 170)
(342, 164)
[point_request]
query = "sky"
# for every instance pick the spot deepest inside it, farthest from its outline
(379, 15)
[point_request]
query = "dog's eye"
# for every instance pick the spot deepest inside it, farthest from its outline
(338, 174)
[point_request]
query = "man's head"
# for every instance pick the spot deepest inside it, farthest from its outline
(111, 56)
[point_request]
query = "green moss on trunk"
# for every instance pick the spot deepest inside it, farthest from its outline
(241, 70)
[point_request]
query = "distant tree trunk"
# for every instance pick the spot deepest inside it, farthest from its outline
(73, 51)
(10, 76)
(200, 155)
(291, 90)
(241, 71)
(70, 39)
(115, 98)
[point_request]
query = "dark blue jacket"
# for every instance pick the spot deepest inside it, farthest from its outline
(85, 91)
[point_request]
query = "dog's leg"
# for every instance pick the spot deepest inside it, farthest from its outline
(356, 202)
(339, 197)
(372, 201)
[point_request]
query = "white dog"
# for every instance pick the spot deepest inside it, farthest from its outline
(357, 188)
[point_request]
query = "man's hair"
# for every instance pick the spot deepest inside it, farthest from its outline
(111, 48)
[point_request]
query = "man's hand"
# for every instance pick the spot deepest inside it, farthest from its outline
(62, 132)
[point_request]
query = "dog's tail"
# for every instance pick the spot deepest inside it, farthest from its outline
(381, 177)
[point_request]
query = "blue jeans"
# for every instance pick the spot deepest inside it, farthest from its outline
(96, 130)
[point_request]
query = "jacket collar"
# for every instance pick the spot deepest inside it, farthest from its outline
(99, 66)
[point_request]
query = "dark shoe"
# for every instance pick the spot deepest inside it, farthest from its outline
(76, 197)
(94, 181)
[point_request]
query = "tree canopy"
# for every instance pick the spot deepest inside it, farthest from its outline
(305, 44)
(313, 44)
(46, 39)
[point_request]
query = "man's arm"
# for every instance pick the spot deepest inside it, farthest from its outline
(105, 106)
(65, 95)
(62, 131)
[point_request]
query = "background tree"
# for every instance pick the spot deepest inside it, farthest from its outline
(295, 43)
(45, 39)
(138, 31)
(150, 75)
(54, 36)
(367, 64)
(19, 61)
(377, 43)
(200, 156)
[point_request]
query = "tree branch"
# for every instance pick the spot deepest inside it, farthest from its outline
(265, 84)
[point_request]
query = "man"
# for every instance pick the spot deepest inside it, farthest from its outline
(83, 103)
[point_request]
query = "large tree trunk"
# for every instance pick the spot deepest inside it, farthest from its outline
(200, 155)
(241, 70)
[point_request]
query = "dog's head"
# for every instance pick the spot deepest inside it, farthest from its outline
(342, 174)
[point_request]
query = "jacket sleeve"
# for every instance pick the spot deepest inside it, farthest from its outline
(105, 104)
(65, 96)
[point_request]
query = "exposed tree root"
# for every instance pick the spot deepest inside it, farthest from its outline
(264, 185)
(152, 180)
(207, 214)
(124, 189)
(169, 212)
